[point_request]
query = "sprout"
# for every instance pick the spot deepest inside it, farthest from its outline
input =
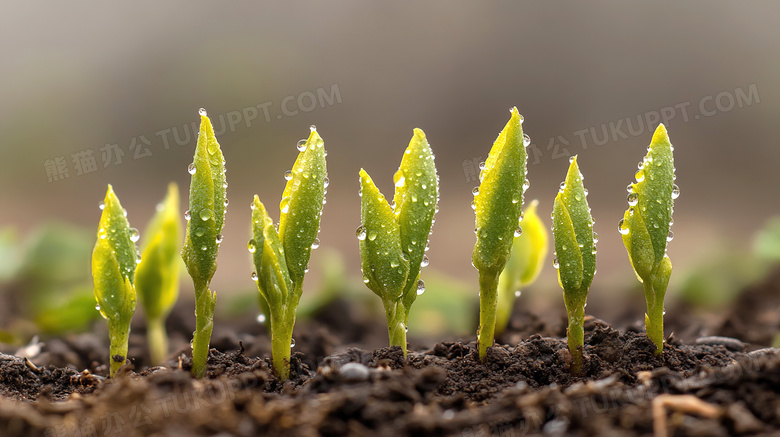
(498, 203)
(157, 275)
(529, 251)
(393, 239)
(575, 255)
(204, 235)
(281, 258)
(113, 267)
(645, 229)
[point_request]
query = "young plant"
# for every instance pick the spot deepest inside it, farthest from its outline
(205, 218)
(113, 267)
(526, 260)
(645, 229)
(575, 255)
(393, 239)
(498, 203)
(282, 258)
(157, 275)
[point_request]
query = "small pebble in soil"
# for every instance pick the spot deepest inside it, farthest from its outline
(354, 372)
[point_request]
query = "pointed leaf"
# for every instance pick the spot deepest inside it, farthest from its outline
(573, 236)
(207, 206)
(416, 196)
(301, 206)
(646, 223)
(384, 263)
(157, 276)
(499, 201)
(274, 280)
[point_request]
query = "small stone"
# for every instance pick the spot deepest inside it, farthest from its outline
(354, 372)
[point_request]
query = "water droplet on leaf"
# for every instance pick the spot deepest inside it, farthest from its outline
(191, 169)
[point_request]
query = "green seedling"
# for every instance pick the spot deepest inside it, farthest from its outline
(529, 251)
(208, 203)
(113, 268)
(282, 258)
(575, 255)
(393, 239)
(498, 203)
(157, 275)
(645, 228)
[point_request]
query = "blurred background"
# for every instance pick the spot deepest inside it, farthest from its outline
(94, 93)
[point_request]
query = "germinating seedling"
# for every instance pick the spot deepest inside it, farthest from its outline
(645, 228)
(157, 275)
(498, 203)
(526, 260)
(282, 258)
(113, 267)
(393, 239)
(575, 255)
(208, 203)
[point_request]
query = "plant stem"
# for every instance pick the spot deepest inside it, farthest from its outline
(158, 339)
(654, 319)
(205, 301)
(396, 324)
(281, 344)
(488, 297)
(118, 348)
(575, 335)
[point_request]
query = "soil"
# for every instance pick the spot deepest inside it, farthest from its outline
(344, 383)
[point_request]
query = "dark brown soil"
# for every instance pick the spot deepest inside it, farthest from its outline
(712, 387)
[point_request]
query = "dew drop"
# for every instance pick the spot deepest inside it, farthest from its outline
(556, 264)
(254, 276)
(475, 191)
(292, 340)
(425, 261)
(516, 198)
(227, 202)
(518, 232)
(326, 182)
(482, 165)
(97, 307)
(518, 293)
(301, 145)
(670, 236)
(124, 212)
(202, 111)
(372, 236)
(622, 227)
(205, 214)
(633, 199)
(400, 182)
(224, 184)
(361, 233)
(675, 192)
(595, 238)
(191, 168)
(420, 287)
(102, 205)
(365, 279)
(187, 215)
(312, 128)
(562, 186)
(474, 205)
(630, 188)
(204, 248)
(526, 140)
(134, 235)
(288, 175)
(261, 319)
(284, 205)
(315, 244)
(526, 184)
(220, 237)
(639, 175)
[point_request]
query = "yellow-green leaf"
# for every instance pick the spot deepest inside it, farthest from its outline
(301, 205)
(498, 200)
(208, 200)
(385, 265)
(268, 255)
(157, 275)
